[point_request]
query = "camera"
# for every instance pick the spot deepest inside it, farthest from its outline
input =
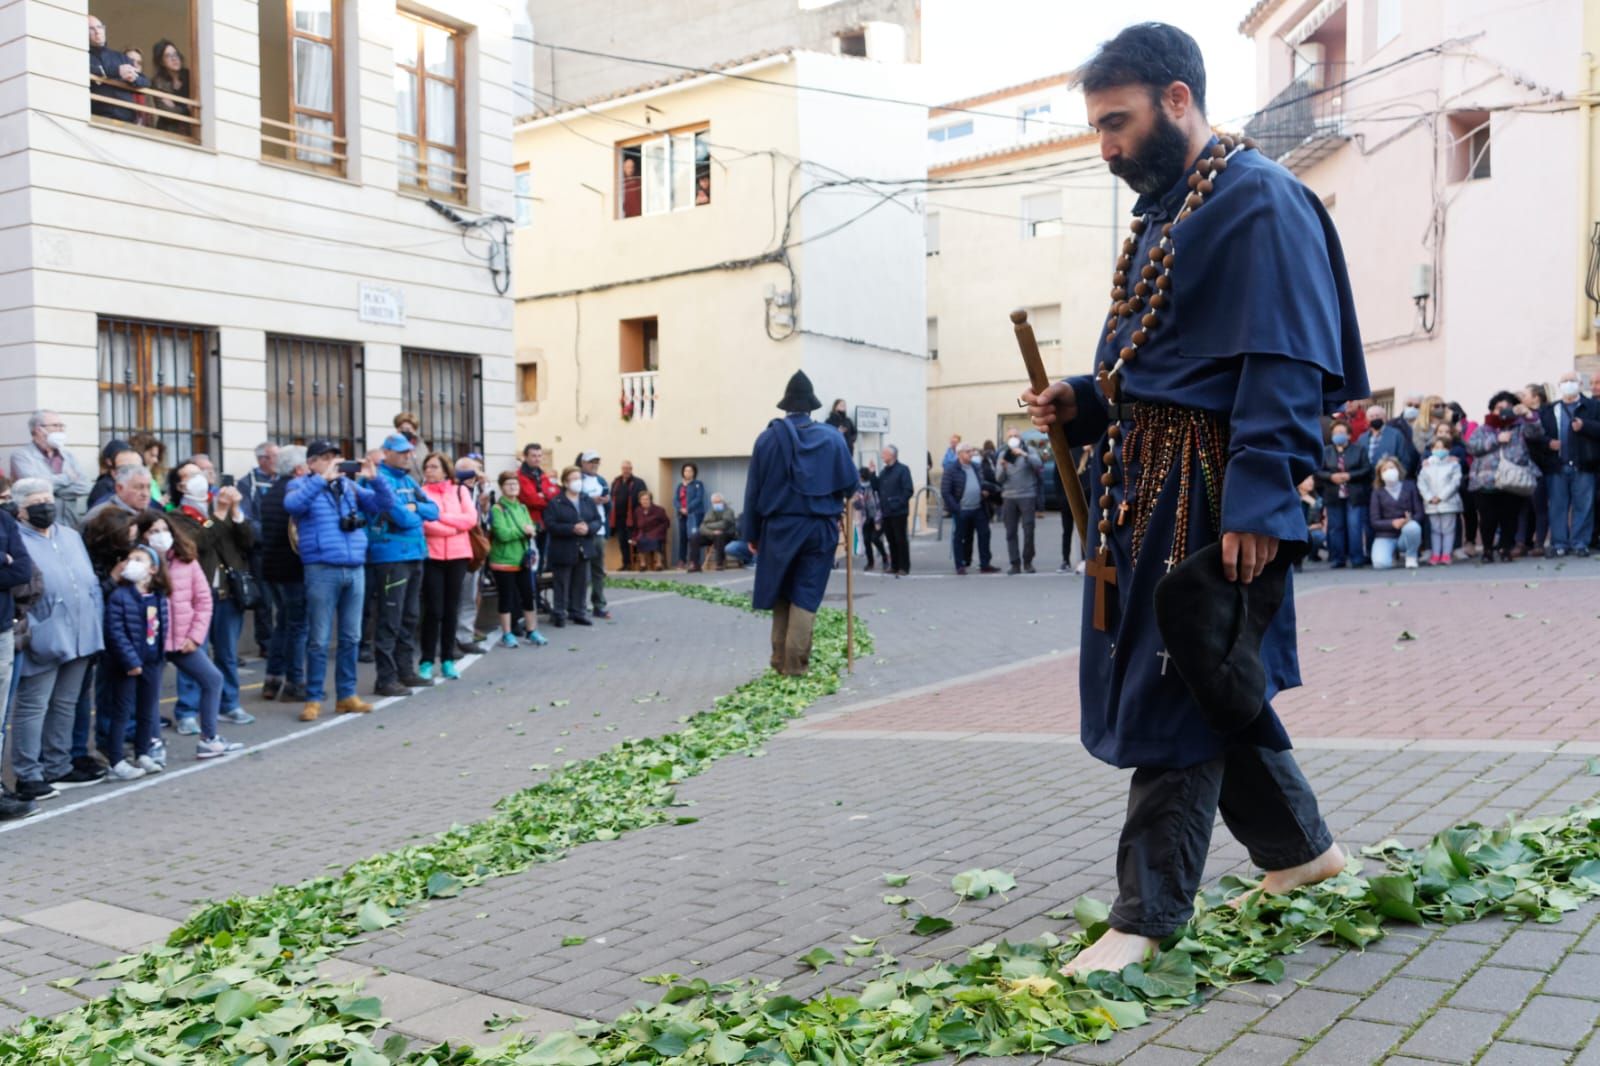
(350, 467)
(349, 523)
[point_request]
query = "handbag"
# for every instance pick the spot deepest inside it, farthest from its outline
(1514, 478)
(480, 540)
(241, 587)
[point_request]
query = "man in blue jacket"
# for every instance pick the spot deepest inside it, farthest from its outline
(331, 511)
(396, 548)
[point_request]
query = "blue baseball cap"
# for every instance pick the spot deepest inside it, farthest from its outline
(396, 442)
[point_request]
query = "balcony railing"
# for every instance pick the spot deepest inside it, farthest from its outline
(145, 106)
(639, 396)
(1304, 122)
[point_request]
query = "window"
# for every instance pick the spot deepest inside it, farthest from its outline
(163, 379)
(950, 133)
(933, 338)
(1386, 22)
(429, 109)
(640, 346)
(302, 98)
(666, 173)
(853, 43)
(163, 95)
(1033, 121)
(1469, 145)
(1046, 323)
(1041, 215)
(931, 231)
(314, 389)
(446, 391)
(522, 187)
(527, 382)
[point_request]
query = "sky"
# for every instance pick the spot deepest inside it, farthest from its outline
(972, 46)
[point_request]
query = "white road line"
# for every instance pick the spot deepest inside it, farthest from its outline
(152, 780)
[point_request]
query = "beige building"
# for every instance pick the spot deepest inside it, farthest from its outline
(251, 253)
(1452, 142)
(1033, 220)
(688, 245)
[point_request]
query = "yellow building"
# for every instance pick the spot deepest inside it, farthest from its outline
(685, 246)
(1030, 218)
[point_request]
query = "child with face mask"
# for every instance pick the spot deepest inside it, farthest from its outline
(137, 618)
(1439, 484)
(1395, 509)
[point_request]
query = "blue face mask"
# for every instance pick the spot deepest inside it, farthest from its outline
(1341, 438)
(465, 476)
(718, 507)
(1440, 453)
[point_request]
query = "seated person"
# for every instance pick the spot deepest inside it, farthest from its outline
(650, 528)
(717, 529)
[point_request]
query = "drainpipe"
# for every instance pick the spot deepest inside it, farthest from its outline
(1587, 178)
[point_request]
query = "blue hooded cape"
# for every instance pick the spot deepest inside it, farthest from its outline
(800, 474)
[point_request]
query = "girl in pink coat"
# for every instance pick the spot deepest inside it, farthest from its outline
(449, 557)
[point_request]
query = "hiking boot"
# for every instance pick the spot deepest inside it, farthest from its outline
(392, 688)
(353, 705)
(311, 711)
(271, 687)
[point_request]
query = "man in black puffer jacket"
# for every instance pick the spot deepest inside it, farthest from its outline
(283, 581)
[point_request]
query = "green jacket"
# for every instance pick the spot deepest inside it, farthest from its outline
(508, 538)
(716, 523)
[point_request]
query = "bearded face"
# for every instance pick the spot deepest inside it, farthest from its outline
(1156, 163)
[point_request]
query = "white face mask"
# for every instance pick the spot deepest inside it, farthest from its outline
(1410, 413)
(161, 542)
(57, 440)
(135, 570)
(1391, 476)
(1569, 390)
(1014, 443)
(197, 486)
(574, 485)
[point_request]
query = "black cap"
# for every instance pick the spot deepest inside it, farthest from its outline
(1213, 629)
(321, 446)
(799, 396)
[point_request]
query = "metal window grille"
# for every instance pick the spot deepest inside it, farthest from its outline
(314, 389)
(446, 391)
(163, 379)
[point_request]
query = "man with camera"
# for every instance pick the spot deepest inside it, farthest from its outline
(1021, 471)
(331, 511)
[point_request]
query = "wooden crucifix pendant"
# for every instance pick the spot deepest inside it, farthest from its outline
(1104, 573)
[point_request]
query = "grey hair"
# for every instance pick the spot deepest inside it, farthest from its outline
(261, 449)
(291, 456)
(893, 449)
(22, 488)
(126, 474)
(38, 418)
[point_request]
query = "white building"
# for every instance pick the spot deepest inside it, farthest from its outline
(251, 252)
(1048, 108)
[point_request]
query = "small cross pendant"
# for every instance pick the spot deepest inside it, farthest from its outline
(1172, 561)
(1166, 657)
(1122, 512)
(1103, 572)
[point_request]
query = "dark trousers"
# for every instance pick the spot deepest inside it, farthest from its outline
(894, 528)
(872, 537)
(1533, 517)
(1497, 518)
(1265, 801)
(1469, 517)
(136, 699)
(394, 641)
(1066, 536)
(968, 523)
(597, 572)
(719, 541)
(369, 608)
(624, 536)
(1347, 524)
(572, 584)
(441, 602)
(266, 611)
(513, 591)
(1020, 510)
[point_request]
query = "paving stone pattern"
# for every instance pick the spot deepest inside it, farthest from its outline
(791, 845)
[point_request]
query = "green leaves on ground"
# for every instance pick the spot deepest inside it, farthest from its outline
(817, 958)
(978, 884)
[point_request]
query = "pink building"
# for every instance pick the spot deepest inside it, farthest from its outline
(1445, 138)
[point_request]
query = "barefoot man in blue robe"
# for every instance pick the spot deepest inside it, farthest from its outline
(1231, 332)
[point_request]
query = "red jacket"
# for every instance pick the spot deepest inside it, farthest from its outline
(537, 493)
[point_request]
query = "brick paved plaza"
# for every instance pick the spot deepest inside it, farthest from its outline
(952, 746)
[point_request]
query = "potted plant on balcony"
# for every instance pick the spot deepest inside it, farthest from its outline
(627, 407)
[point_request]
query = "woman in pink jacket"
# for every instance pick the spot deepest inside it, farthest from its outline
(189, 606)
(449, 556)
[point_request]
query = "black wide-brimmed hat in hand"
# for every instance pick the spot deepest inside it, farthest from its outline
(1213, 629)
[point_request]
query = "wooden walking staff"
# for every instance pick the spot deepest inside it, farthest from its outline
(849, 590)
(1100, 570)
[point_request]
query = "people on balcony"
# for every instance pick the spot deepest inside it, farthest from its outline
(105, 62)
(172, 76)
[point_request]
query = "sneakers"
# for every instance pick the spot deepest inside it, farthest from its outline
(988, 569)
(392, 688)
(961, 571)
(414, 681)
(14, 807)
(602, 614)
(1013, 570)
(158, 752)
(188, 725)
(448, 669)
(149, 764)
(1063, 568)
(238, 716)
(536, 638)
(271, 687)
(353, 705)
(311, 710)
(81, 775)
(508, 640)
(1411, 562)
(126, 771)
(425, 671)
(1028, 569)
(211, 747)
(35, 790)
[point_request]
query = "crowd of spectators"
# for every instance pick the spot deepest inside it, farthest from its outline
(382, 558)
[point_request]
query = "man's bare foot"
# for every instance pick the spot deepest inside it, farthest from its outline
(1113, 951)
(1279, 882)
